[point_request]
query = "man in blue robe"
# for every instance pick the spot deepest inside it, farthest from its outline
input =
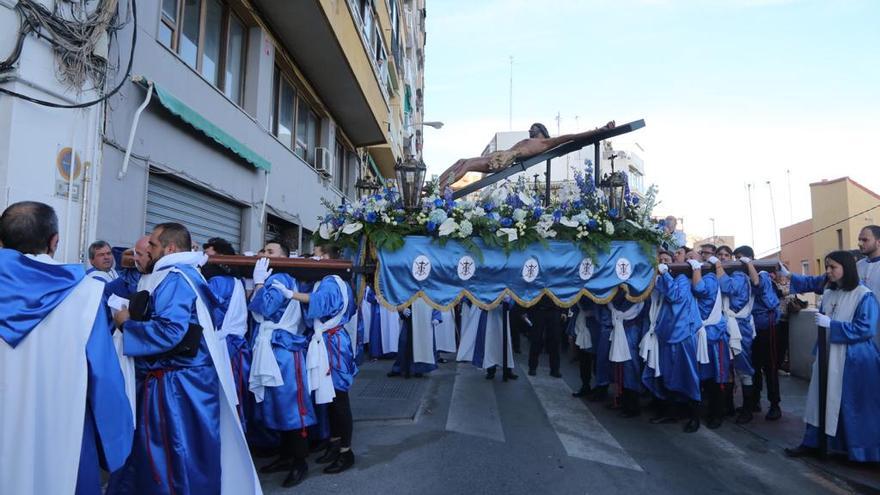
(765, 314)
(716, 375)
(279, 378)
(135, 263)
(330, 359)
(628, 321)
(62, 396)
(676, 327)
(601, 334)
(183, 411)
(416, 355)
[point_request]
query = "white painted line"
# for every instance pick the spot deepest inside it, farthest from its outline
(580, 432)
(473, 409)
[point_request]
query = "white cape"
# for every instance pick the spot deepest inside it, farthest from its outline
(43, 383)
(444, 333)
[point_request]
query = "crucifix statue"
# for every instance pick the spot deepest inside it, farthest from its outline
(539, 141)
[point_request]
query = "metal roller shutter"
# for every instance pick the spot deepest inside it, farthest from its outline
(203, 214)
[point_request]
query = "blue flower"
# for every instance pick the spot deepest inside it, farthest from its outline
(438, 203)
(634, 200)
(557, 215)
(371, 217)
(431, 226)
(592, 224)
(506, 222)
(578, 205)
(377, 197)
(613, 212)
(538, 212)
(487, 207)
(447, 194)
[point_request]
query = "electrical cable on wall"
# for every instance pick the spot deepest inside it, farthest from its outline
(74, 42)
(820, 230)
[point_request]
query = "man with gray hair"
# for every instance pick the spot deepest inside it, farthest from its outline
(101, 259)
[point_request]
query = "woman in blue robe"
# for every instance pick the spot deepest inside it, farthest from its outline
(286, 408)
(858, 431)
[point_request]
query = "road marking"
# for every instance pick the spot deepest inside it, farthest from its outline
(578, 430)
(473, 409)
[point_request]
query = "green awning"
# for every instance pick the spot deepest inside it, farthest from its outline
(205, 126)
(379, 177)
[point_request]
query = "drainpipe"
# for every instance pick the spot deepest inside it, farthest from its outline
(134, 123)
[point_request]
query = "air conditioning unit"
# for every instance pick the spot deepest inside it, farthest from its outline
(324, 161)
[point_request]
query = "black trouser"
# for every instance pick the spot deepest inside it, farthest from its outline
(781, 343)
(294, 445)
(341, 424)
(517, 326)
(585, 360)
(547, 331)
(764, 360)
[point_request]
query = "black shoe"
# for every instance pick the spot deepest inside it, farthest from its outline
(319, 446)
(279, 465)
(744, 416)
(774, 413)
(490, 374)
(627, 413)
(442, 360)
(532, 372)
(583, 392)
(662, 419)
(343, 461)
(556, 374)
(714, 423)
(392, 374)
(263, 452)
(598, 395)
(419, 375)
(296, 475)
(802, 451)
(510, 375)
(756, 407)
(330, 454)
(692, 425)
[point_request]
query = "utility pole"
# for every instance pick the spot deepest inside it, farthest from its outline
(714, 239)
(751, 216)
(773, 212)
(510, 99)
(790, 210)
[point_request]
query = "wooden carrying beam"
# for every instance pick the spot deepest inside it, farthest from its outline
(729, 267)
(302, 268)
(561, 150)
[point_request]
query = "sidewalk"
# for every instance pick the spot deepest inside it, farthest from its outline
(788, 432)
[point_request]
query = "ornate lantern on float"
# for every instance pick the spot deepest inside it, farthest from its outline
(410, 179)
(366, 187)
(613, 185)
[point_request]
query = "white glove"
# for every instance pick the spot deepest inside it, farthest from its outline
(662, 268)
(695, 265)
(282, 289)
(435, 322)
(823, 320)
(783, 270)
(261, 271)
(407, 312)
(745, 259)
(713, 260)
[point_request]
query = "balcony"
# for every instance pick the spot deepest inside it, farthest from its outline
(324, 42)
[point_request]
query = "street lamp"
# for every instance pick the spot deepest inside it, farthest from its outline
(436, 124)
(366, 187)
(410, 178)
(614, 187)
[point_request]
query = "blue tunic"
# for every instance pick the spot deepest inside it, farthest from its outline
(325, 303)
(601, 335)
(403, 344)
(718, 368)
(676, 326)
(766, 310)
(125, 285)
(858, 431)
(630, 372)
(29, 291)
(376, 345)
(178, 419)
(738, 287)
(222, 287)
(287, 407)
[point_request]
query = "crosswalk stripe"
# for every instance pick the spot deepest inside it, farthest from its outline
(578, 430)
(473, 409)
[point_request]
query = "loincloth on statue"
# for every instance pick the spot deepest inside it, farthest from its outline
(499, 160)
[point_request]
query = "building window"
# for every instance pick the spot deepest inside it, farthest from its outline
(339, 169)
(805, 267)
(840, 239)
(294, 121)
(208, 37)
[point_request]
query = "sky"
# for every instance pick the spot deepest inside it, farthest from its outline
(773, 93)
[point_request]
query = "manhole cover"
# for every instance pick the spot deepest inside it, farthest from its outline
(397, 389)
